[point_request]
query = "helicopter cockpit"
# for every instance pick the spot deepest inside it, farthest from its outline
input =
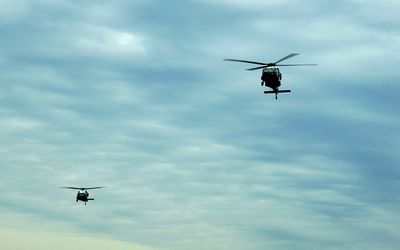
(271, 74)
(271, 70)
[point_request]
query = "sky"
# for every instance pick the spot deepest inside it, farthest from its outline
(135, 95)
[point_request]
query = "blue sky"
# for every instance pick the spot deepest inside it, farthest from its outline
(134, 95)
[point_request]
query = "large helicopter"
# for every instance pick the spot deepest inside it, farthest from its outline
(84, 195)
(271, 77)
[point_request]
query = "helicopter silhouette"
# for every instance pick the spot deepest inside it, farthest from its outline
(271, 76)
(84, 195)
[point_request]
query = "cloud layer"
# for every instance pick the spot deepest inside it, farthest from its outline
(134, 95)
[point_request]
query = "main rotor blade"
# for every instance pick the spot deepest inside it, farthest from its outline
(301, 64)
(95, 187)
(244, 61)
(278, 65)
(83, 188)
(77, 188)
(286, 57)
(258, 67)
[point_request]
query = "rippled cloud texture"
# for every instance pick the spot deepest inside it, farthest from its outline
(134, 95)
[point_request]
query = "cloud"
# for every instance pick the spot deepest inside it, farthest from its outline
(12, 11)
(103, 42)
(47, 236)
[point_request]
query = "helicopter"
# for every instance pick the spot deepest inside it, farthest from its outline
(84, 195)
(271, 76)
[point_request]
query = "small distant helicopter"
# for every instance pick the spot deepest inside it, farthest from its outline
(84, 195)
(271, 77)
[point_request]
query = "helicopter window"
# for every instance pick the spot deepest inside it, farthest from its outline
(271, 70)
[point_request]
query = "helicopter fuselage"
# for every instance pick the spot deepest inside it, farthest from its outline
(83, 196)
(271, 77)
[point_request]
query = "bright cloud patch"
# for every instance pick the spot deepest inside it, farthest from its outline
(108, 42)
